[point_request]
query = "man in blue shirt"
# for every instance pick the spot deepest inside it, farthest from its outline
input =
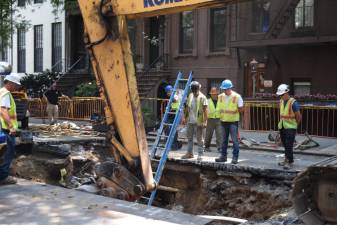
(290, 117)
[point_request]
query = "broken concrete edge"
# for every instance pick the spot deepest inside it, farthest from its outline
(296, 152)
(239, 170)
(231, 220)
(70, 140)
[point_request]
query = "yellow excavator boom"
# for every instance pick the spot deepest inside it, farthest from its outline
(107, 41)
(149, 8)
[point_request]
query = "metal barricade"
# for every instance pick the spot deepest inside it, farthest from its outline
(316, 120)
(258, 115)
(78, 108)
(83, 108)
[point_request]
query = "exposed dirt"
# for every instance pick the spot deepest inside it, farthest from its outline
(45, 167)
(241, 196)
(202, 192)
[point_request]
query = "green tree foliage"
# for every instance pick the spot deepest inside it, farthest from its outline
(37, 84)
(89, 89)
(5, 21)
(10, 20)
(64, 4)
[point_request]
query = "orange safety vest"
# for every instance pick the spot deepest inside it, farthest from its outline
(229, 111)
(287, 115)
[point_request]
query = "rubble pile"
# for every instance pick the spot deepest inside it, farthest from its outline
(253, 200)
(64, 128)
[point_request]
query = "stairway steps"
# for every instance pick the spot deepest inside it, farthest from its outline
(281, 19)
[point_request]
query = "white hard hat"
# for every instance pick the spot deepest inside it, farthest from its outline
(282, 89)
(195, 84)
(13, 77)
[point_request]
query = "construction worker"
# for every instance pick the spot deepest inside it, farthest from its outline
(196, 117)
(174, 107)
(213, 121)
(290, 117)
(230, 106)
(52, 95)
(9, 125)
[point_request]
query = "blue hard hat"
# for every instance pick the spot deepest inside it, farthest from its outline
(168, 88)
(226, 84)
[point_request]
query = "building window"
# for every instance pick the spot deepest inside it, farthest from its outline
(302, 88)
(3, 52)
(38, 48)
(186, 32)
(304, 14)
(218, 29)
(132, 29)
(21, 3)
(260, 16)
(4, 55)
(38, 1)
(21, 47)
(57, 47)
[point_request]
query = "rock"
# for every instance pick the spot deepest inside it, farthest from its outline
(88, 188)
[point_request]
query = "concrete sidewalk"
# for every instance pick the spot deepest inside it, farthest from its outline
(328, 146)
(31, 203)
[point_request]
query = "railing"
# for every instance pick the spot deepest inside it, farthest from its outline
(162, 58)
(259, 116)
(316, 120)
(78, 108)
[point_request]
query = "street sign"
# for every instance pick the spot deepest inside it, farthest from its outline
(268, 83)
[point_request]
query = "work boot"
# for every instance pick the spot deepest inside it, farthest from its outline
(188, 155)
(8, 180)
(174, 147)
(283, 162)
(221, 159)
(288, 166)
(234, 161)
(180, 144)
(207, 150)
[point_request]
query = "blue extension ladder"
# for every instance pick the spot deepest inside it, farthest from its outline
(172, 131)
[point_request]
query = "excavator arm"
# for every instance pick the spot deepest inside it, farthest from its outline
(107, 41)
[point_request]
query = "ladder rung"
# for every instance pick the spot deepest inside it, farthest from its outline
(156, 160)
(183, 79)
(160, 148)
(172, 113)
(165, 136)
(168, 124)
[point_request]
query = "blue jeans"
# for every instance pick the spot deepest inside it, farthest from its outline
(7, 157)
(232, 129)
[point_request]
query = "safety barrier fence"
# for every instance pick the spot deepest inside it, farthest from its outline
(258, 115)
(78, 108)
(316, 120)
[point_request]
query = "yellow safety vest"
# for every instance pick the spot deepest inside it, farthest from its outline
(11, 111)
(200, 113)
(230, 109)
(213, 112)
(287, 115)
(175, 105)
